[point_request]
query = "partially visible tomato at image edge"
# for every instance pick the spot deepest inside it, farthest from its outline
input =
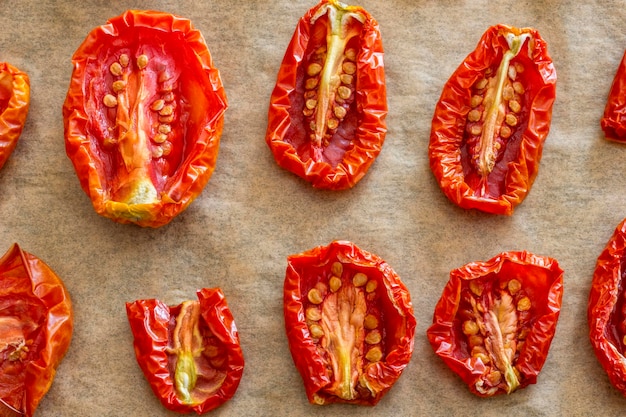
(14, 104)
(143, 116)
(326, 120)
(36, 325)
(349, 322)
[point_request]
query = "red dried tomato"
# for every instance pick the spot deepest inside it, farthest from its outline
(349, 322)
(190, 353)
(613, 121)
(14, 102)
(143, 116)
(606, 311)
(492, 120)
(495, 321)
(36, 324)
(327, 111)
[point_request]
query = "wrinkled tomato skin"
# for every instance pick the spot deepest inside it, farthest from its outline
(392, 305)
(613, 121)
(152, 324)
(36, 324)
(606, 308)
(14, 104)
(517, 165)
(138, 161)
(541, 279)
(359, 137)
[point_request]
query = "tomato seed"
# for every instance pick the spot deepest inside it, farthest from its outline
(109, 100)
(142, 61)
(349, 67)
(314, 69)
(315, 296)
(334, 283)
(116, 68)
(124, 60)
(375, 354)
(359, 279)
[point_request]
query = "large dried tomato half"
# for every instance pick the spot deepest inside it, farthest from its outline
(495, 321)
(349, 322)
(492, 120)
(327, 112)
(143, 116)
(14, 103)
(606, 311)
(36, 323)
(189, 353)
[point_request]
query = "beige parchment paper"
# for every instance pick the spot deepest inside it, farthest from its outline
(237, 234)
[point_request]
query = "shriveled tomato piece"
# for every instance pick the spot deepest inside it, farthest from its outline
(492, 120)
(349, 322)
(606, 310)
(613, 120)
(327, 112)
(190, 353)
(36, 324)
(495, 321)
(143, 116)
(14, 103)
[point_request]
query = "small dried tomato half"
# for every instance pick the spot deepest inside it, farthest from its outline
(495, 321)
(190, 353)
(492, 120)
(143, 116)
(606, 310)
(36, 324)
(14, 102)
(327, 112)
(613, 121)
(349, 322)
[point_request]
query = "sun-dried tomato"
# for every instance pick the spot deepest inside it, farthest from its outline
(14, 103)
(36, 324)
(613, 121)
(349, 322)
(492, 120)
(495, 321)
(189, 353)
(327, 112)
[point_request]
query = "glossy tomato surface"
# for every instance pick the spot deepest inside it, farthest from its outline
(36, 324)
(495, 321)
(189, 353)
(613, 121)
(349, 322)
(606, 310)
(14, 104)
(143, 116)
(492, 120)
(327, 111)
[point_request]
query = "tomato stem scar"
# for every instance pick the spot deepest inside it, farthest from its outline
(494, 113)
(339, 33)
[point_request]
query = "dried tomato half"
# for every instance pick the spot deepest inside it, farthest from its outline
(14, 102)
(495, 321)
(613, 121)
(36, 323)
(143, 116)
(606, 310)
(190, 353)
(327, 112)
(349, 322)
(492, 120)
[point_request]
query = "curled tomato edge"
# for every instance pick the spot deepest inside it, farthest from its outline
(603, 296)
(447, 136)
(58, 328)
(151, 352)
(441, 333)
(372, 128)
(307, 360)
(13, 118)
(194, 172)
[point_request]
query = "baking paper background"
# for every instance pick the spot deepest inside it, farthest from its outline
(237, 234)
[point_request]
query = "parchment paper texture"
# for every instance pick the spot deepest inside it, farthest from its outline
(252, 215)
